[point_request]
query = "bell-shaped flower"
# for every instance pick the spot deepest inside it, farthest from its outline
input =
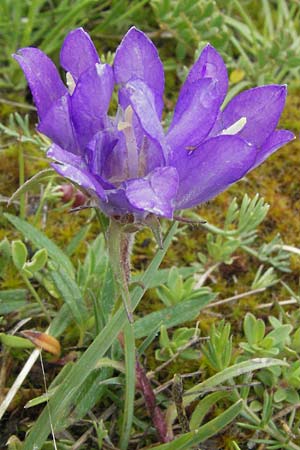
(127, 162)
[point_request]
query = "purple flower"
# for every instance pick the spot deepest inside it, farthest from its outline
(127, 162)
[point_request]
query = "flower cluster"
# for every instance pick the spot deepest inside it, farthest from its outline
(128, 163)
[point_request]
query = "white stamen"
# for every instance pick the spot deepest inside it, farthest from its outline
(236, 127)
(132, 151)
(70, 83)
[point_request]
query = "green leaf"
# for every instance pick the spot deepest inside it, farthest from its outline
(213, 427)
(12, 300)
(162, 276)
(280, 334)
(204, 406)
(62, 400)
(77, 239)
(32, 183)
(40, 240)
(295, 338)
(170, 317)
(250, 328)
(280, 395)
(71, 295)
(61, 321)
(5, 255)
(165, 295)
(15, 341)
(19, 254)
(38, 261)
(164, 340)
(235, 371)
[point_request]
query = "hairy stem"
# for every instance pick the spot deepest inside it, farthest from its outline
(22, 181)
(119, 247)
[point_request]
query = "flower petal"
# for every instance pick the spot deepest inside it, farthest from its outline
(64, 157)
(99, 151)
(57, 125)
(78, 53)
(276, 140)
(195, 114)
(142, 101)
(137, 58)
(261, 106)
(154, 193)
(74, 168)
(211, 168)
(90, 101)
(42, 76)
(210, 64)
(117, 204)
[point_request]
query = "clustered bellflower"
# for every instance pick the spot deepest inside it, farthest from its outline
(128, 163)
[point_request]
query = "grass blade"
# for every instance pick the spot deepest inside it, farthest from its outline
(130, 385)
(70, 293)
(12, 300)
(204, 406)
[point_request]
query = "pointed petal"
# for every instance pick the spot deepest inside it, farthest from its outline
(137, 58)
(154, 193)
(74, 168)
(194, 116)
(210, 64)
(90, 101)
(42, 76)
(261, 106)
(78, 53)
(276, 140)
(142, 101)
(57, 125)
(64, 157)
(211, 168)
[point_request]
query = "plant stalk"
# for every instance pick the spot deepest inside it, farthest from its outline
(22, 181)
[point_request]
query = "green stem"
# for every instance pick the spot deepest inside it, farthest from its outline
(36, 297)
(119, 247)
(21, 181)
(119, 254)
(42, 203)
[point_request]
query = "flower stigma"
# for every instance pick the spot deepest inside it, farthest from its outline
(236, 127)
(70, 83)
